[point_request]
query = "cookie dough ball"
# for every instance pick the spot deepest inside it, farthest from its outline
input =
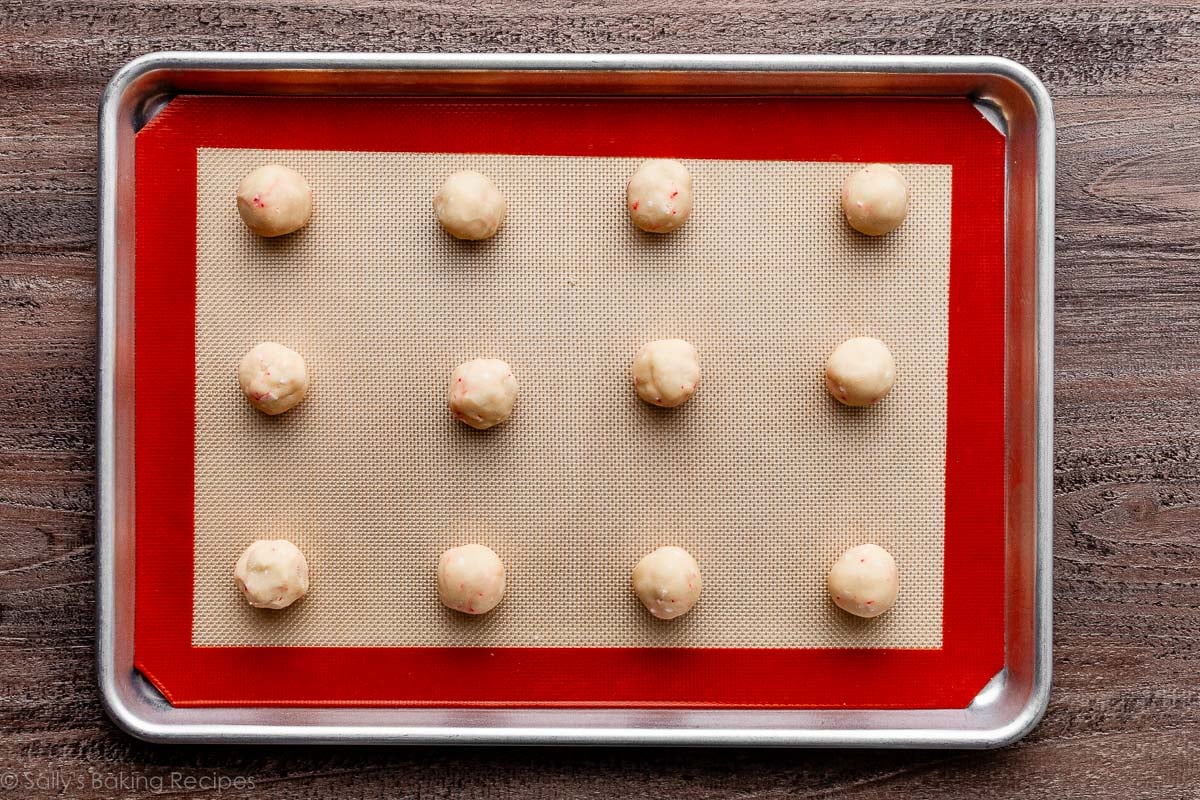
(274, 200)
(482, 392)
(273, 377)
(667, 581)
(470, 579)
(469, 206)
(272, 573)
(875, 199)
(864, 581)
(860, 371)
(659, 195)
(666, 372)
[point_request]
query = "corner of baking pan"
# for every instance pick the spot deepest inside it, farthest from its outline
(130, 705)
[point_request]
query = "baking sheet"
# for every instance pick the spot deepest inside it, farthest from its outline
(762, 476)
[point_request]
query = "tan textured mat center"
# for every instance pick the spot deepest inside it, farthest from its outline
(761, 476)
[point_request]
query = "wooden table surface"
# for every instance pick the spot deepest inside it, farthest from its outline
(1124, 719)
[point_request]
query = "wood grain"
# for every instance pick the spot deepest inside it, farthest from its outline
(1125, 714)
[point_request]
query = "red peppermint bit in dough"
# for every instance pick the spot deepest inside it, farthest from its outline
(674, 194)
(471, 609)
(862, 561)
(635, 205)
(870, 602)
(257, 201)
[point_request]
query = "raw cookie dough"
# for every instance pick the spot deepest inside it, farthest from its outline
(659, 195)
(470, 579)
(864, 581)
(667, 581)
(273, 377)
(860, 371)
(272, 573)
(482, 392)
(875, 199)
(666, 372)
(469, 206)
(274, 200)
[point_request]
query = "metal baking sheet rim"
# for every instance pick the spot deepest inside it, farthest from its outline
(1005, 710)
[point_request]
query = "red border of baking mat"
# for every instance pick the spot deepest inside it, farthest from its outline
(801, 129)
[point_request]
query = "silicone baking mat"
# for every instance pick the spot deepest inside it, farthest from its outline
(762, 476)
